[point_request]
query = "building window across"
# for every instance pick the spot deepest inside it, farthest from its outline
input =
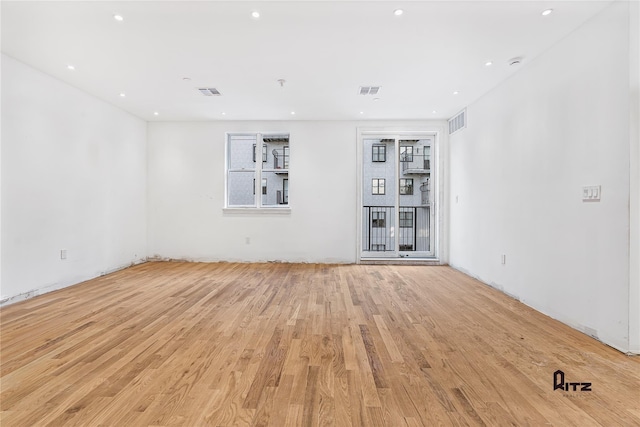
(377, 186)
(406, 186)
(264, 152)
(377, 247)
(406, 219)
(264, 186)
(379, 153)
(406, 153)
(246, 176)
(378, 219)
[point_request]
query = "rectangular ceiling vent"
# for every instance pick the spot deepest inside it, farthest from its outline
(457, 122)
(209, 91)
(369, 90)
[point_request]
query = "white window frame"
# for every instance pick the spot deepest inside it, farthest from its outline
(257, 207)
(438, 154)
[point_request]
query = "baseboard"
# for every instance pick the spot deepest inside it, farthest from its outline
(62, 285)
(580, 328)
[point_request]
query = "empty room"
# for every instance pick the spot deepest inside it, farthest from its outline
(305, 213)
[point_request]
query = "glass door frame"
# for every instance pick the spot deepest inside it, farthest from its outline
(434, 183)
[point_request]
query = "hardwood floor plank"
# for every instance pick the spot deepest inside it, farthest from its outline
(226, 344)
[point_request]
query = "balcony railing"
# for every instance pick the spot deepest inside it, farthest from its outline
(380, 231)
(416, 162)
(281, 158)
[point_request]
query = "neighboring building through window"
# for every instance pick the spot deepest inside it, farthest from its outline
(378, 219)
(264, 186)
(377, 247)
(377, 186)
(264, 152)
(406, 186)
(285, 191)
(406, 219)
(406, 153)
(243, 172)
(379, 153)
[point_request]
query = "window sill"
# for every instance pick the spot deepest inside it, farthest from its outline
(257, 211)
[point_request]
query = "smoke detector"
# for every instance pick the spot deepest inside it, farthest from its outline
(515, 61)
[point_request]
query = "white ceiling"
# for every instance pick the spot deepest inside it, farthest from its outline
(324, 50)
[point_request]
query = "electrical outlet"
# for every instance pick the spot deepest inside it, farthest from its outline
(247, 240)
(63, 254)
(503, 259)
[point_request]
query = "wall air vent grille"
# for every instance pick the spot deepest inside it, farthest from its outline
(457, 122)
(209, 91)
(275, 138)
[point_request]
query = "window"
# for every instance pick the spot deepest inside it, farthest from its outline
(264, 152)
(377, 186)
(379, 153)
(378, 219)
(406, 186)
(285, 191)
(377, 248)
(406, 153)
(406, 247)
(406, 219)
(245, 174)
(264, 186)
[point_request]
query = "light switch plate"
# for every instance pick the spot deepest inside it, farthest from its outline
(591, 193)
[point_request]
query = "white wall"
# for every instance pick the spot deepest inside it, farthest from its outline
(634, 118)
(73, 177)
(517, 171)
(186, 194)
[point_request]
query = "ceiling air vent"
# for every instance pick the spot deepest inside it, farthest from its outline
(369, 90)
(457, 122)
(209, 91)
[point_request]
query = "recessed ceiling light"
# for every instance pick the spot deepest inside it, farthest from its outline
(455, 92)
(376, 99)
(547, 12)
(71, 67)
(488, 64)
(293, 113)
(118, 18)
(398, 12)
(434, 112)
(224, 114)
(155, 113)
(361, 112)
(122, 95)
(255, 14)
(186, 79)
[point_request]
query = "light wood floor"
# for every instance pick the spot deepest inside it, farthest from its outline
(300, 345)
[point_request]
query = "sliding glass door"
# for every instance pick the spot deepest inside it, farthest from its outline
(397, 205)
